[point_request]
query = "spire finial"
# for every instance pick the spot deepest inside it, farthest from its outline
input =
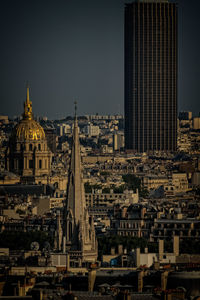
(75, 109)
(27, 92)
(27, 105)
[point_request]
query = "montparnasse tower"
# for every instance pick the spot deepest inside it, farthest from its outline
(28, 154)
(151, 75)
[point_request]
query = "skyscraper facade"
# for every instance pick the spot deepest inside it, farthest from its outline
(151, 75)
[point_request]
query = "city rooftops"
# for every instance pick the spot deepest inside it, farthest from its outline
(152, 1)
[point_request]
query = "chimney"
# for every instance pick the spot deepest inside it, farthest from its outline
(120, 249)
(112, 251)
(176, 245)
(137, 257)
(161, 249)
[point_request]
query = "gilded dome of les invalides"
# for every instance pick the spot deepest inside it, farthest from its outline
(28, 154)
(28, 128)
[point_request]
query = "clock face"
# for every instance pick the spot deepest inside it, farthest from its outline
(35, 246)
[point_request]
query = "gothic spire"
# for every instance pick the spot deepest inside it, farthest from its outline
(75, 192)
(79, 232)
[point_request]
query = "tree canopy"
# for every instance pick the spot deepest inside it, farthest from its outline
(20, 240)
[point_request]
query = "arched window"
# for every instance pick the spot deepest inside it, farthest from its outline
(30, 147)
(39, 147)
(21, 164)
(70, 230)
(30, 164)
(40, 164)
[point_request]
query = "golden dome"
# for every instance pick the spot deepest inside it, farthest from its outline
(28, 128)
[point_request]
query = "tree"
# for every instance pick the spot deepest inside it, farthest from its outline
(189, 246)
(105, 243)
(88, 187)
(106, 190)
(120, 189)
(20, 240)
(134, 183)
(104, 173)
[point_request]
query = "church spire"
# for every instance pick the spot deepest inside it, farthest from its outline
(75, 110)
(78, 230)
(75, 121)
(28, 114)
(75, 192)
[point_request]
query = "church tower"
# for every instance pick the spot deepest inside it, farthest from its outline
(79, 232)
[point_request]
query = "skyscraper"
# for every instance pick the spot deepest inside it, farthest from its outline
(150, 75)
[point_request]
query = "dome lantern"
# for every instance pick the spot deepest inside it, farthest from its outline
(28, 128)
(28, 113)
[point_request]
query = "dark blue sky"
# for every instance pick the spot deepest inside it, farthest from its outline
(74, 50)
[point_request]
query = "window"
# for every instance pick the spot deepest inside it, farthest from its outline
(30, 147)
(39, 147)
(40, 164)
(30, 164)
(21, 164)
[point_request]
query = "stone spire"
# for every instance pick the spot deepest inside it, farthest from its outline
(79, 232)
(75, 192)
(75, 202)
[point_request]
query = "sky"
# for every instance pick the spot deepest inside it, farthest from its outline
(73, 50)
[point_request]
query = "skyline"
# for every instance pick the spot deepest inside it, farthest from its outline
(68, 52)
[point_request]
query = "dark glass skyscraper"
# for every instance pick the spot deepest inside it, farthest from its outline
(151, 75)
